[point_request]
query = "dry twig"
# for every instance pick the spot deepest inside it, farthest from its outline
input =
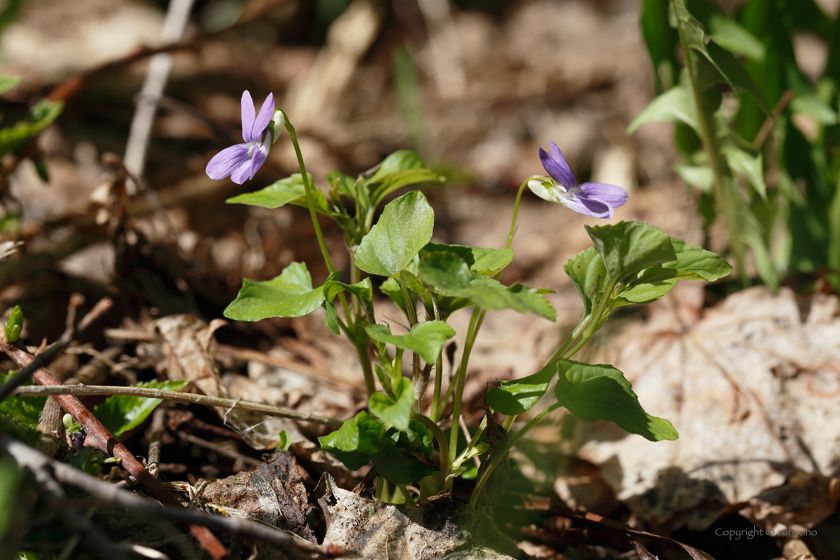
(100, 438)
(176, 396)
(76, 300)
(116, 497)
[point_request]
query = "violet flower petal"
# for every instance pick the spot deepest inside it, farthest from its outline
(248, 113)
(243, 172)
(556, 166)
(258, 158)
(262, 120)
(611, 195)
(227, 161)
(590, 207)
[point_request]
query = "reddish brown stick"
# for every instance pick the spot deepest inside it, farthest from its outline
(100, 438)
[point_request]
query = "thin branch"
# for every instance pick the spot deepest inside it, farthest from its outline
(176, 396)
(160, 65)
(46, 357)
(100, 438)
(116, 497)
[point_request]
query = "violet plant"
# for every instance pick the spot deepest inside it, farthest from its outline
(400, 433)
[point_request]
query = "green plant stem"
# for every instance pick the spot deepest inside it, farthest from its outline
(443, 446)
(516, 211)
(834, 239)
(588, 324)
(709, 140)
(310, 201)
(458, 383)
(370, 386)
(503, 453)
(594, 322)
(411, 312)
(435, 413)
(367, 368)
(473, 441)
(406, 494)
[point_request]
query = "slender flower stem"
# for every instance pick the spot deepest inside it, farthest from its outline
(458, 383)
(361, 349)
(411, 312)
(443, 446)
(508, 243)
(310, 194)
(516, 211)
(503, 453)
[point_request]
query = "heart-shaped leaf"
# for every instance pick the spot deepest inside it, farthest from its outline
(355, 441)
(288, 295)
(516, 396)
(478, 259)
(396, 412)
(601, 392)
(404, 228)
(627, 248)
(426, 339)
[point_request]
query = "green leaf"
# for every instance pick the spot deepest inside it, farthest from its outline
(661, 40)
(515, 397)
(401, 160)
(14, 325)
(627, 248)
(730, 35)
(290, 190)
(362, 290)
(426, 339)
(121, 413)
(692, 263)
(393, 181)
(284, 443)
(747, 165)
(41, 116)
(674, 106)
(445, 271)
(394, 412)
(391, 288)
(589, 275)
(483, 261)
(724, 63)
(700, 176)
(24, 410)
(404, 228)
(344, 184)
(449, 275)
(417, 288)
(8, 83)
(646, 292)
(398, 467)
(734, 73)
(288, 295)
(696, 263)
(600, 392)
(355, 441)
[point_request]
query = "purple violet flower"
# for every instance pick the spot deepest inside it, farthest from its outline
(242, 161)
(598, 200)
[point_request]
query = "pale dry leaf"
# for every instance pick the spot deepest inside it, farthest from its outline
(753, 389)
